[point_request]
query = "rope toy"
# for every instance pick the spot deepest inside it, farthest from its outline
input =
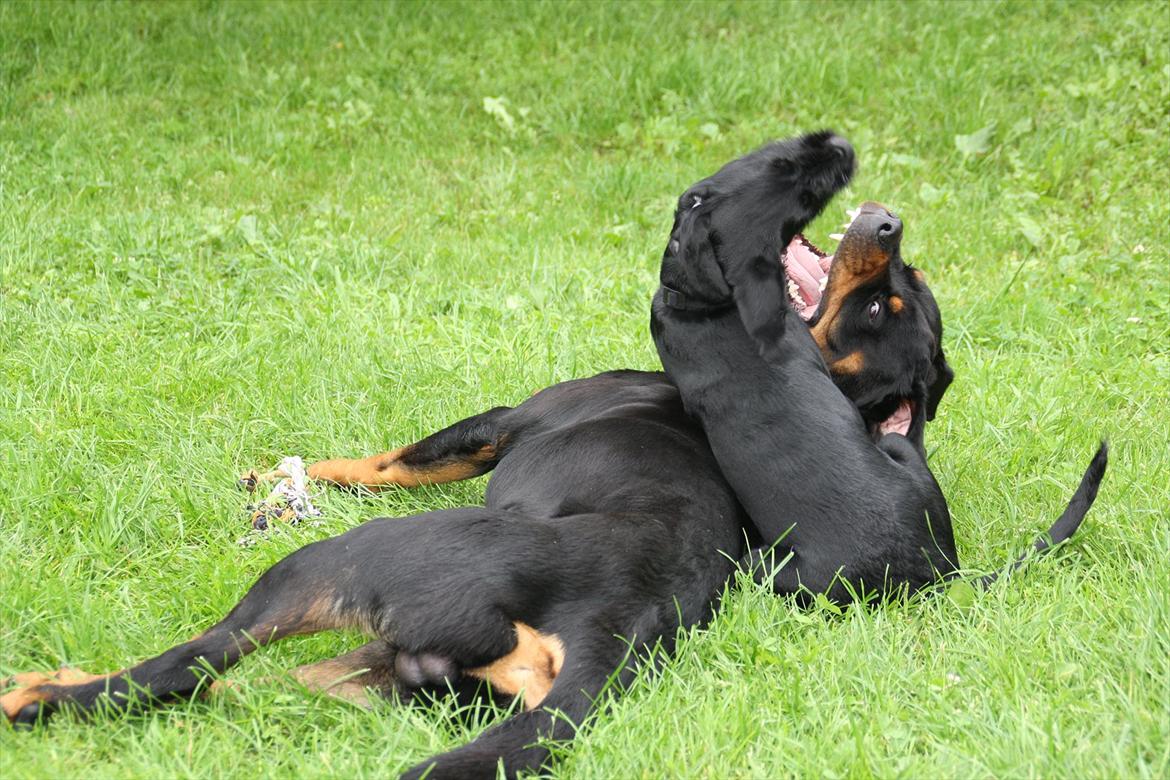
(289, 502)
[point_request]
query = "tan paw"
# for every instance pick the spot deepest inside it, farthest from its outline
(33, 688)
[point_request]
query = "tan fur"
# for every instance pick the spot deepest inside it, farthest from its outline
(852, 268)
(385, 469)
(850, 364)
(351, 675)
(529, 670)
(34, 685)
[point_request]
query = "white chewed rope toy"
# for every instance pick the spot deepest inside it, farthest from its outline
(289, 501)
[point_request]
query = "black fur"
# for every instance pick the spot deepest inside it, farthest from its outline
(607, 522)
(845, 514)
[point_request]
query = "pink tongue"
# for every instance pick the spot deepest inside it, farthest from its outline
(804, 268)
(899, 421)
(807, 270)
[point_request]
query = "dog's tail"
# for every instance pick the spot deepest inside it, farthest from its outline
(1069, 521)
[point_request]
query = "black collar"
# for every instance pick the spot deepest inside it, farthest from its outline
(677, 300)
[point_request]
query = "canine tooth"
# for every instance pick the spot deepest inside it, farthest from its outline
(794, 292)
(836, 236)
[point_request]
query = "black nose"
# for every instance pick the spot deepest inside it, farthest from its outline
(890, 230)
(842, 147)
(881, 224)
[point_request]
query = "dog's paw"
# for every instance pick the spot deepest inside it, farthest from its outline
(22, 705)
(35, 696)
(31, 698)
(420, 670)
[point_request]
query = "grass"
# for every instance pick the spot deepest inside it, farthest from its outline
(234, 232)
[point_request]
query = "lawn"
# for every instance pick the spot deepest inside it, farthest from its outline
(234, 232)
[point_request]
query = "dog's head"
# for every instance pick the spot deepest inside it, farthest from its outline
(751, 207)
(873, 317)
(876, 322)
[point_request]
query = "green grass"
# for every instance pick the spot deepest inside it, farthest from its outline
(234, 232)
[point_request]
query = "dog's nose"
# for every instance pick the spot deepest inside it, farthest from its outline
(843, 148)
(881, 224)
(842, 152)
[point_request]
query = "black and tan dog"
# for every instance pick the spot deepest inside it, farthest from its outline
(607, 525)
(836, 481)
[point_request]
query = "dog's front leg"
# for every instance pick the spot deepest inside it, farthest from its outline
(467, 449)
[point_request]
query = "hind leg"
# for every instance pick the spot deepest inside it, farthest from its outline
(351, 676)
(274, 608)
(523, 741)
(380, 577)
(381, 667)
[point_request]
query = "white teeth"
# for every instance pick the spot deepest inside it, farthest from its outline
(852, 214)
(794, 292)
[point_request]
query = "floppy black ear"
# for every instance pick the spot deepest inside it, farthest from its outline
(689, 262)
(943, 376)
(758, 288)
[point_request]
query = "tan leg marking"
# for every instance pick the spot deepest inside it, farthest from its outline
(320, 610)
(378, 471)
(35, 686)
(351, 675)
(529, 670)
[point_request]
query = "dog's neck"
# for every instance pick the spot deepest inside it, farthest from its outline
(680, 301)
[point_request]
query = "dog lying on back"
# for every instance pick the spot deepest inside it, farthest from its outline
(838, 490)
(607, 526)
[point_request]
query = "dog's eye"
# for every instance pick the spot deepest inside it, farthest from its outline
(697, 203)
(875, 308)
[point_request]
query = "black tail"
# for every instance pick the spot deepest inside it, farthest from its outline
(1069, 521)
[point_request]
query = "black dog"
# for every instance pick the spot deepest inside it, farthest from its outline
(838, 484)
(607, 523)
(607, 526)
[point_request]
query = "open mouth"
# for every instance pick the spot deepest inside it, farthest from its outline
(898, 421)
(807, 268)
